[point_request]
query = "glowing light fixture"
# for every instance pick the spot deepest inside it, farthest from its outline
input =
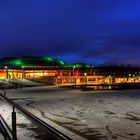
(61, 62)
(17, 62)
(48, 58)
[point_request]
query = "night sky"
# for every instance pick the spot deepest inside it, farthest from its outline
(89, 31)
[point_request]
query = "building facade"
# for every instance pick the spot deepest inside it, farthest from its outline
(57, 72)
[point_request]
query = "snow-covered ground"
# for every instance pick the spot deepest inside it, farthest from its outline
(25, 127)
(92, 115)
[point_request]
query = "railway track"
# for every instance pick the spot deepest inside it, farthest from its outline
(50, 132)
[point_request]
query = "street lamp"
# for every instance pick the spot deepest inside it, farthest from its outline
(134, 77)
(129, 77)
(6, 71)
(91, 70)
(22, 72)
(85, 74)
(73, 75)
(73, 69)
(110, 79)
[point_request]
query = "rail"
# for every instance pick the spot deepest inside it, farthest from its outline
(5, 129)
(51, 130)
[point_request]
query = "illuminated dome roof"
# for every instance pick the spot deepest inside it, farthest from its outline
(31, 61)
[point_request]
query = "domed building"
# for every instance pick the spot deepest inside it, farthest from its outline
(36, 67)
(56, 71)
(29, 67)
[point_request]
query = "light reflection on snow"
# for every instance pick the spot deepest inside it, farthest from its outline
(24, 126)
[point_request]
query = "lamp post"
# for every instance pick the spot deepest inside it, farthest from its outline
(129, 77)
(85, 74)
(73, 75)
(91, 70)
(22, 72)
(73, 69)
(110, 79)
(134, 77)
(6, 71)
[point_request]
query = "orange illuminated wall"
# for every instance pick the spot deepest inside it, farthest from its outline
(39, 73)
(2, 74)
(14, 74)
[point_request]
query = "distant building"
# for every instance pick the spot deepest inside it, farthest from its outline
(58, 72)
(37, 67)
